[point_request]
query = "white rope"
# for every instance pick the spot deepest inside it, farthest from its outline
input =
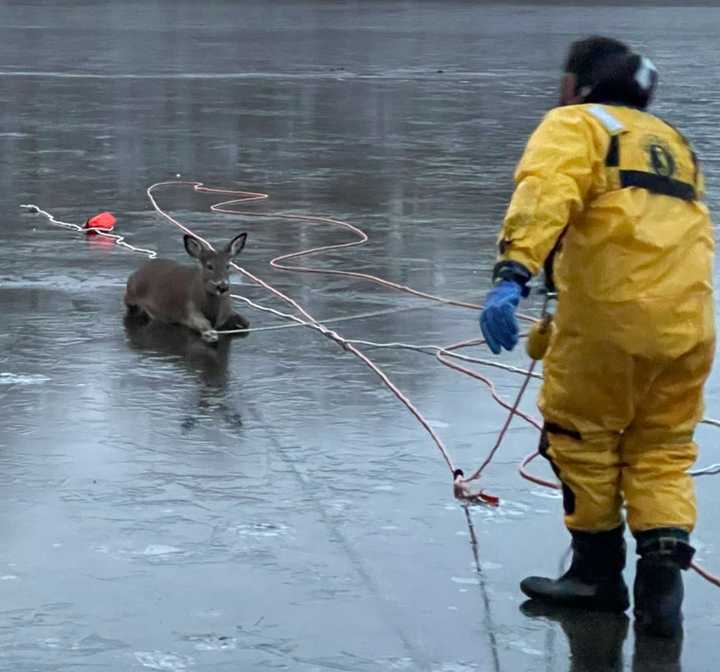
(706, 471)
(119, 240)
(346, 318)
(432, 349)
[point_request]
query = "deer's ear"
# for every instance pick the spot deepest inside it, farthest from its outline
(194, 247)
(236, 245)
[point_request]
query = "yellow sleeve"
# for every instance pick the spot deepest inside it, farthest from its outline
(563, 157)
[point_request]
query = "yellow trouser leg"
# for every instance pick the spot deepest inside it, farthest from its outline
(590, 473)
(631, 401)
(587, 395)
(658, 491)
(658, 449)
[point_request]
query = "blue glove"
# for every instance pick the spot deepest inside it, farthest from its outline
(497, 318)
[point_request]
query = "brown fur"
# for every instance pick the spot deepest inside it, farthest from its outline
(197, 297)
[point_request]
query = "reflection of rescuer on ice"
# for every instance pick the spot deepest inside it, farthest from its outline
(616, 193)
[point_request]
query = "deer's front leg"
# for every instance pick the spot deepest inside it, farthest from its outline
(198, 322)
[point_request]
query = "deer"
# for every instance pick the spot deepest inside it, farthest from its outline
(198, 298)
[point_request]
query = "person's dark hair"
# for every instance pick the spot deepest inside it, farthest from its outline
(606, 72)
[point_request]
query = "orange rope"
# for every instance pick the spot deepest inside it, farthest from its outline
(312, 322)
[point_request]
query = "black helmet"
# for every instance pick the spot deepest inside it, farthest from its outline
(607, 71)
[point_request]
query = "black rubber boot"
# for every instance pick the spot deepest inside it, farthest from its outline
(594, 580)
(659, 591)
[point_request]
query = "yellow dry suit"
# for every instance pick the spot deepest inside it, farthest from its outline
(616, 192)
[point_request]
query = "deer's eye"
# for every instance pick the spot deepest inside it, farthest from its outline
(209, 266)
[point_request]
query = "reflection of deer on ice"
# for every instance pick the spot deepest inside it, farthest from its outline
(210, 364)
(198, 298)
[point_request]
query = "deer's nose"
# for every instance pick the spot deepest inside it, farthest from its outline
(223, 286)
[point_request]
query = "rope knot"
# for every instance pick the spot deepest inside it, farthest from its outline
(461, 490)
(334, 336)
